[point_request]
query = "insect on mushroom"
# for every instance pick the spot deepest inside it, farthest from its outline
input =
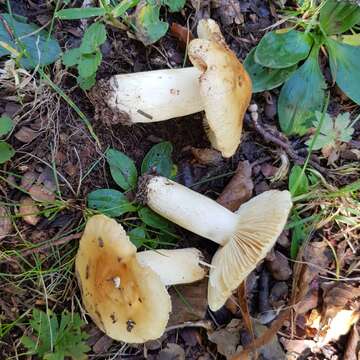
(218, 84)
(245, 236)
(123, 291)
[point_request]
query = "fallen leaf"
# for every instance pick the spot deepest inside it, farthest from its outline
(352, 345)
(28, 180)
(28, 210)
(295, 348)
(278, 266)
(239, 189)
(207, 156)
(5, 223)
(229, 11)
(189, 302)
(26, 135)
(102, 345)
(41, 194)
(182, 33)
(228, 339)
(172, 352)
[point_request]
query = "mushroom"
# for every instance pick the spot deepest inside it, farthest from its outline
(122, 290)
(218, 84)
(245, 236)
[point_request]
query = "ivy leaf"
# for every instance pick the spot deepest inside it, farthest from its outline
(336, 17)
(345, 67)
(110, 202)
(6, 125)
(149, 27)
(296, 186)
(79, 13)
(122, 168)
(174, 5)
(158, 160)
(6, 152)
(332, 131)
(40, 48)
(302, 94)
(279, 49)
(94, 36)
(264, 78)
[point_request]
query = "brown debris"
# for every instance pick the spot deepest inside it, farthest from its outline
(5, 223)
(229, 11)
(26, 135)
(352, 351)
(41, 194)
(207, 156)
(239, 189)
(28, 210)
(182, 33)
(278, 266)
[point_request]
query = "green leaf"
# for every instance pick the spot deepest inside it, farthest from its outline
(158, 159)
(40, 48)
(279, 49)
(123, 6)
(264, 78)
(336, 17)
(302, 94)
(86, 83)
(88, 64)
(122, 168)
(332, 131)
(298, 235)
(345, 67)
(137, 236)
(71, 57)
(298, 183)
(79, 13)
(154, 220)
(6, 152)
(94, 36)
(6, 125)
(353, 39)
(149, 27)
(174, 5)
(110, 202)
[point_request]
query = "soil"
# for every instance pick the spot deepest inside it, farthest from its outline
(63, 141)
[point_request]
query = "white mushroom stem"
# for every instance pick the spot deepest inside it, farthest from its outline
(156, 95)
(190, 210)
(180, 266)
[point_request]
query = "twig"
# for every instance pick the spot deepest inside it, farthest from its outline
(206, 324)
(278, 139)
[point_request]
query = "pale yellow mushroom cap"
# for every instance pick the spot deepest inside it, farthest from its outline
(225, 87)
(261, 221)
(126, 300)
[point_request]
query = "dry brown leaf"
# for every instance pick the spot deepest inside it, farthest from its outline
(228, 339)
(172, 352)
(181, 33)
(28, 179)
(278, 266)
(207, 156)
(239, 189)
(28, 210)
(189, 302)
(229, 11)
(295, 348)
(41, 194)
(352, 345)
(26, 135)
(5, 223)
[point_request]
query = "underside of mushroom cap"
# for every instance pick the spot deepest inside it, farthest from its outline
(261, 221)
(225, 87)
(126, 300)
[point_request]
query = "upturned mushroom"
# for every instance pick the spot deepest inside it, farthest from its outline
(245, 236)
(218, 84)
(123, 291)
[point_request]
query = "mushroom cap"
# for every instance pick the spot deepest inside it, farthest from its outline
(225, 87)
(126, 300)
(261, 221)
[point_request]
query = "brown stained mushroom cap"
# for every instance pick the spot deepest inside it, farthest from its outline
(225, 87)
(261, 221)
(125, 300)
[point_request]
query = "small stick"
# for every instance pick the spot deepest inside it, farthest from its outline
(206, 324)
